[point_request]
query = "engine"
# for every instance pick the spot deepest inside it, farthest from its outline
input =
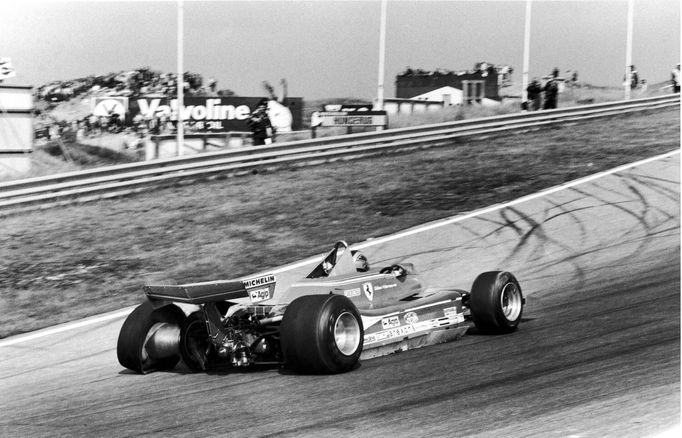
(240, 337)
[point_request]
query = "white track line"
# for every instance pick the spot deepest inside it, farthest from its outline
(124, 312)
(64, 327)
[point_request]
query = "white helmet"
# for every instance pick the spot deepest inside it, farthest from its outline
(361, 263)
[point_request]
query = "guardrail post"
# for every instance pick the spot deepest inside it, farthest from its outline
(157, 147)
(313, 132)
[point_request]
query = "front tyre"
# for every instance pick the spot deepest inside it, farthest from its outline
(496, 302)
(321, 334)
(148, 340)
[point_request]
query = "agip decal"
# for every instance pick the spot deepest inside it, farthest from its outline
(260, 288)
(258, 295)
(390, 322)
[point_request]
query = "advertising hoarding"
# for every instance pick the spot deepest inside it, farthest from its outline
(350, 118)
(213, 114)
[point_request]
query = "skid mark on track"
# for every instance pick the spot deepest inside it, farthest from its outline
(540, 243)
(667, 188)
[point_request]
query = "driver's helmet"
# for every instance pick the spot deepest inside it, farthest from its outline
(361, 263)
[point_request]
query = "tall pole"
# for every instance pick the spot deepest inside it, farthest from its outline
(382, 55)
(180, 139)
(526, 55)
(628, 50)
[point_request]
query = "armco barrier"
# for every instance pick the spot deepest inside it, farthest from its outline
(119, 180)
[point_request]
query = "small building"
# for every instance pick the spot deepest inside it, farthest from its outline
(483, 82)
(454, 96)
(16, 129)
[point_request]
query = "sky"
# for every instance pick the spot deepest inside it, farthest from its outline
(327, 49)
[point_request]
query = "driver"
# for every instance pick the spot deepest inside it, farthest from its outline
(361, 263)
(359, 260)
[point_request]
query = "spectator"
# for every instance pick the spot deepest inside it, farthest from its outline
(154, 125)
(103, 124)
(643, 85)
(534, 94)
(260, 125)
(634, 77)
(675, 79)
(114, 122)
(95, 127)
(551, 91)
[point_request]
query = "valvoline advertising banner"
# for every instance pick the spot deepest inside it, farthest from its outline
(219, 114)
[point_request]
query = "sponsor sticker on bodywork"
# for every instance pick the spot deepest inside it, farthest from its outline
(260, 281)
(386, 286)
(390, 322)
(350, 293)
(450, 312)
(258, 295)
(411, 318)
(388, 334)
(260, 288)
(453, 314)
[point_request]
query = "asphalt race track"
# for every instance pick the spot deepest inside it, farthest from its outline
(598, 352)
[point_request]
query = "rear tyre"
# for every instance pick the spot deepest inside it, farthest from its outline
(496, 302)
(148, 340)
(321, 334)
(195, 347)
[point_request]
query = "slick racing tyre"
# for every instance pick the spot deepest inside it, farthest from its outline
(148, 340)
(496, 302)
(196, 349)
(321, 334)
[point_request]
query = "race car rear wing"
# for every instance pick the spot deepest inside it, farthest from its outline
(258, 289)
(197, 293)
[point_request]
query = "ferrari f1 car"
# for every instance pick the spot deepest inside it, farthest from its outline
(338, 314)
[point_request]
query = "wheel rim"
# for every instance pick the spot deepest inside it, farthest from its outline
(511, 301)
(347, 333)
(161, 343)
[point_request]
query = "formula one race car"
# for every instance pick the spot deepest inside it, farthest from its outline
(324, 323)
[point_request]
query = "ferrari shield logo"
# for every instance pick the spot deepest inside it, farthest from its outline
(369, 290)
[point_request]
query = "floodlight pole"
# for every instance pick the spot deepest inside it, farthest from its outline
(382, 55)
(526, 55)
(628, 50)
(180, 138)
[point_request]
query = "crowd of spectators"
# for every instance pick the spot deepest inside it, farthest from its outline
(133, 83)
(484, 68)
(95, 126)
